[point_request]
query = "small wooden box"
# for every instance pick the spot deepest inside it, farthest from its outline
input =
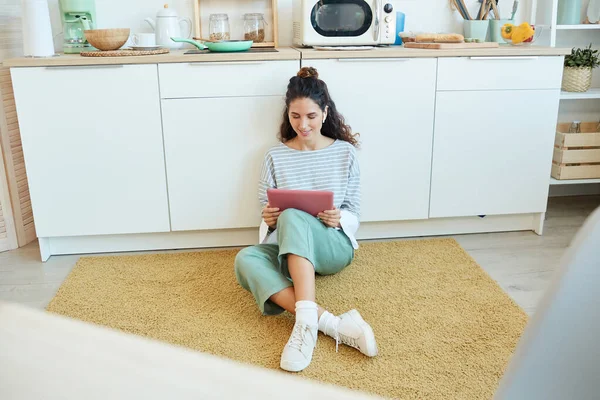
(234, 9)
(576, 155)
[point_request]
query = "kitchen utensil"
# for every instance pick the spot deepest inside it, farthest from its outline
(218, 28)
(495, 8)
(514, 9)
(460, 6)
(223, 46)
(207, 40)
(107, 39)
(465, 9)
(167, 25)
(488, 9)
(450, 46)
(37, 30)
(481, 9)
(77, 16)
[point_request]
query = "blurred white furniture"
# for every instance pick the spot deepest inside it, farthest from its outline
(52, 357)
(558, 356)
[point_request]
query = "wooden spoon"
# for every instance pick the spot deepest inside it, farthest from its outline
(208, 40)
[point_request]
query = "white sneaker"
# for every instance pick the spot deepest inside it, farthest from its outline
(352, 330)
(297, 353)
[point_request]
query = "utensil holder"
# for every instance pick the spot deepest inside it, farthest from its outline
(476, 29)
(496, 29)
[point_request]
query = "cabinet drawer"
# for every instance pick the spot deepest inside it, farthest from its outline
(226, 79)
(499, 73)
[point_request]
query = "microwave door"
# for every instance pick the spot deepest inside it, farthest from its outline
(342, 18)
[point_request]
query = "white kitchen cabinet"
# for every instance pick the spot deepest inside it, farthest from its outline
(214, 152)
(499, 73)
(225, 79)
(492, 152)
(390, 102)
(93, 149)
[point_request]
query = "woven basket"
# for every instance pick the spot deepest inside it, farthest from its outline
(577, 79)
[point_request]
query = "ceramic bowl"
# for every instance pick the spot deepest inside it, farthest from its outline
(107, 39)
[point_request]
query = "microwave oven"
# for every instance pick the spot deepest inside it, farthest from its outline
(343, 23)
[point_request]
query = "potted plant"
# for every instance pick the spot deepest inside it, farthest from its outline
(577, 75)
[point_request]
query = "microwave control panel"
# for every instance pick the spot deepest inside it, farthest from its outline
(388, 8)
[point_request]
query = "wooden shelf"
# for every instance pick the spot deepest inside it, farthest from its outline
(593, 93)
(270, 8)
(573, 181)
(577, 27)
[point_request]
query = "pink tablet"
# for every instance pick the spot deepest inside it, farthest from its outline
(309, 201)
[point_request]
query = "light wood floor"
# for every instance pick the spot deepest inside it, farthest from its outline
(521, 262)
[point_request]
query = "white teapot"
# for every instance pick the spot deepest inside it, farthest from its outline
(168, 25)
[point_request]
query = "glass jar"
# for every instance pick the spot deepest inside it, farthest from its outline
(254, 27)
(575, 127)
(218, 28)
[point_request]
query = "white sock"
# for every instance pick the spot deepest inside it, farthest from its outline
(307, 312)
(328, 323)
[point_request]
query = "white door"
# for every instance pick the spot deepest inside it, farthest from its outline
(214, 151)
(93, 149)
(492, 152)
(390, 102)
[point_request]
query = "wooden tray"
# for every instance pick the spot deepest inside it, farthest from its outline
(449, 46)
(123, 53)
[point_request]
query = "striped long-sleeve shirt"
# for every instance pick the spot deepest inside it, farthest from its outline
(334, 168)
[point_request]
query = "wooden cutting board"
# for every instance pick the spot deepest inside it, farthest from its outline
(449, 46)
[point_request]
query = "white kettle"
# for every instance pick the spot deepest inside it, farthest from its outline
(168, 24)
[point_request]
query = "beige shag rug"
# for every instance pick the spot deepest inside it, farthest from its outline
(444, 328)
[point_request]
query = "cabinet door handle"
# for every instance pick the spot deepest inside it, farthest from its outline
(372, 59)
(85, 66)
(506, 58)
(196, 64)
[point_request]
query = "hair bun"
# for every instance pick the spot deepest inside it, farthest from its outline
(308, 72)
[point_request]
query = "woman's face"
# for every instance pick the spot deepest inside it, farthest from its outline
(306, 118)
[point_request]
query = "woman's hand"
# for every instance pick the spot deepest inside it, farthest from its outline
(270, 216)
(331, 218)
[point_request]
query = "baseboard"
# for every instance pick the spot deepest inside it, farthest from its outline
(244, 237)
(574, 190)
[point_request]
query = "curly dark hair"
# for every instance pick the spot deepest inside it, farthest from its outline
(306, 84)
